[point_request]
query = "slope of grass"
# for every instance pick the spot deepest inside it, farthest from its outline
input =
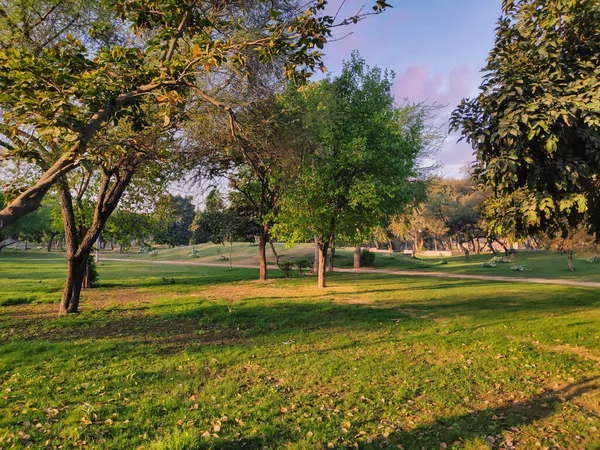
(538, 264)
(191, 357)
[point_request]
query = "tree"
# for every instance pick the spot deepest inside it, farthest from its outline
(126, 226)
(260, 159)
(174, 216)
(223, 224)
(359, 174)
(535, 125)
(70, 91)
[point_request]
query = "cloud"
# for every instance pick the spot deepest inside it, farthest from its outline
(419, 83)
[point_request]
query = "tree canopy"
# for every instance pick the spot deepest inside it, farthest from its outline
(358, 175)
(535, 125)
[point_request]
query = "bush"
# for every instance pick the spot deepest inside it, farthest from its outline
(519, 268)
(500, 259)
(195, 253)
(489, 264)
(420, 265)
(594, 259)
(92, 270)
(287, 267)
(302, 265)
(367, 258)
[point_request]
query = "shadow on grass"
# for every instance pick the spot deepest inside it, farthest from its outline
(497, 427)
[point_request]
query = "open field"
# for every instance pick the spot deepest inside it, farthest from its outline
(539, 264)
(156, 360)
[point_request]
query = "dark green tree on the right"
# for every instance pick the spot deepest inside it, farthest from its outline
(535, 125)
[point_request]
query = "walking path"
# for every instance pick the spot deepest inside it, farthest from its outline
(409, 273)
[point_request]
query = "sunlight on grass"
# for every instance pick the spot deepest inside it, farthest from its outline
(373, 360)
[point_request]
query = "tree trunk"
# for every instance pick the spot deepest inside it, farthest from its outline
(274, 252)
(477, 246)
(461, 245)
(331, 256)
(262, 254)
(357, 257)
(570, 260)
(79, 244)
(323, 246)
(51, 241)
(316, 262)
(77, 268)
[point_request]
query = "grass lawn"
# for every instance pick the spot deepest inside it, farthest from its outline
(157, 360)
(539, 264)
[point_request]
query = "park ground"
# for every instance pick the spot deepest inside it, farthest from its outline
(195, 357)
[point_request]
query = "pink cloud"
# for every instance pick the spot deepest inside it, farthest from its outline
(418, 83)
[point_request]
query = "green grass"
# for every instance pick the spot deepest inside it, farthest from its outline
(373, 360)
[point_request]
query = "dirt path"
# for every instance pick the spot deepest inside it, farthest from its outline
(409, 273)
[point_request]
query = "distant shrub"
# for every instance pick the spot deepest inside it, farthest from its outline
(594, 259)
(420, 265)
(286, 267)
(443, 262)
(518, 268)
(195, 253)
(367, 258)
(169, 280)
(154, 253)
(488, 264)
(302, 265)
(92, 270)
(500, 259)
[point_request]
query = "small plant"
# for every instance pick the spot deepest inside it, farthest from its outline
(518, 268)
(488, 264)
(443, 262)
(154, 253)
(223, 258)
(286, 268)
(500, 259)
(230, 306)
(420, 265)
(387, 256)
(302, 265)
(594, 259)
(169, 280)
(195, 253)
(367, 258)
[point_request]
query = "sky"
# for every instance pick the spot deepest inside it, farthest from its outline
(436, 48)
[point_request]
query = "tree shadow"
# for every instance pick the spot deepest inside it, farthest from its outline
(495, 426)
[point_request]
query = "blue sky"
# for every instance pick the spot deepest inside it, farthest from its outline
(436, 48)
